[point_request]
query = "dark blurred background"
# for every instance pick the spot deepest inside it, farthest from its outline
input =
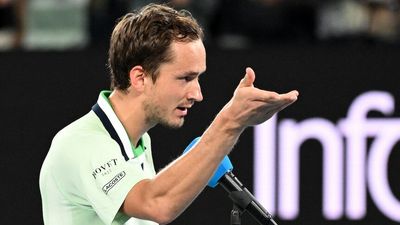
(53, 57)
(81, 24)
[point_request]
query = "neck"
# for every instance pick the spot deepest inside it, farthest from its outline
(129, 110)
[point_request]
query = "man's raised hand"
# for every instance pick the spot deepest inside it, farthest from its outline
(251, 106)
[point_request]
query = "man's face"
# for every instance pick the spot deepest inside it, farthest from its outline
(177, 86)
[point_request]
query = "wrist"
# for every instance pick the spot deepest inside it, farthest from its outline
(223, 132)
(229, 124)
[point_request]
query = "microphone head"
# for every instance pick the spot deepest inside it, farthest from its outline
(191, 145)
(223, 168)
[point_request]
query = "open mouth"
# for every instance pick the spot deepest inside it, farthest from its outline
(182, 111)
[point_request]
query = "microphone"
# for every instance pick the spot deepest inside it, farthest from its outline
(238, 193)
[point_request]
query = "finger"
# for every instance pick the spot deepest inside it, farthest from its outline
(270, 96)
(250, 76)
(292, 95)
(248, 79)
(276, 107)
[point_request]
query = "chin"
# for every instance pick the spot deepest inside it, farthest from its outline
(173, 124)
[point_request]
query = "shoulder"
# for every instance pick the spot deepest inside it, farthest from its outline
(84, 128)
(85, 137)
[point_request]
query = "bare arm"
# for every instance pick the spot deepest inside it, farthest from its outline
(167, 195)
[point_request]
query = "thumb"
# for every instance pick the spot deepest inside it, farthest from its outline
(248, 79)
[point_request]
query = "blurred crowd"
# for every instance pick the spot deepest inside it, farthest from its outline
(76, 24)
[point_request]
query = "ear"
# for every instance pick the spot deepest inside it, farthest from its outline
(137, 76)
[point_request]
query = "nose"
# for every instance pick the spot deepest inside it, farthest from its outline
(195, 93)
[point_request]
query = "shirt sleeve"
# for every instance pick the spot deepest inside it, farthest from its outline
(106, 178)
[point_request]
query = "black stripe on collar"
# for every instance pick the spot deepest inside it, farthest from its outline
(107, 124)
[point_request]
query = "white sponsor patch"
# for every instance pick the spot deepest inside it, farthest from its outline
(106, 188)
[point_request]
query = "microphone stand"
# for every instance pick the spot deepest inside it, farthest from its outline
(242, 198)
(236, 214)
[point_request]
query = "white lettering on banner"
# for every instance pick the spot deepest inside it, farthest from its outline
(363, 171)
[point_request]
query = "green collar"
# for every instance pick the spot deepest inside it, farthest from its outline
(137, 151)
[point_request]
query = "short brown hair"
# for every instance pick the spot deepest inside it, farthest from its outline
(144, 37)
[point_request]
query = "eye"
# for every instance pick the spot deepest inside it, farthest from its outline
(187, 78)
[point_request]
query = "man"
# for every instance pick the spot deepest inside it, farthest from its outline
(99, 169)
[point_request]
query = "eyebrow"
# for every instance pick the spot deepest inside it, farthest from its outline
(192, 73)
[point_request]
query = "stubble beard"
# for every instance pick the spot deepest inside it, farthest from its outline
(157, 115)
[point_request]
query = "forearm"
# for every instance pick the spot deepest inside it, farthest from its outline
(177, 185)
